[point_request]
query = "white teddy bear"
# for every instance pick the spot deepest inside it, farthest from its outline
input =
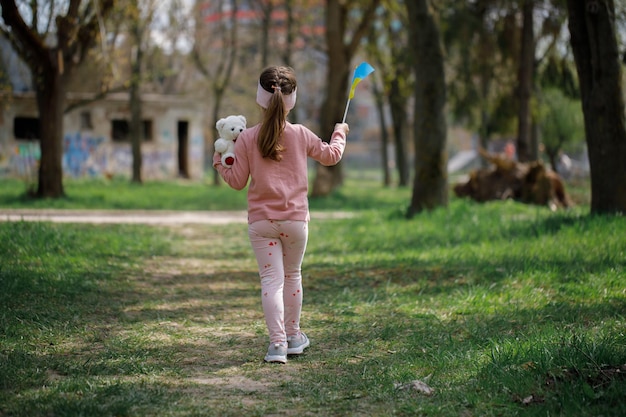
(229, 129)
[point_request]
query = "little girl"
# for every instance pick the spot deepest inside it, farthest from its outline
(273, 155)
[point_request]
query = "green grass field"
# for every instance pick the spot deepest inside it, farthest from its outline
(502, 309)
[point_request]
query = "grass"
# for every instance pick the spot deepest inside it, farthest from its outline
(122, 194)
(184, 195)
(503, 309)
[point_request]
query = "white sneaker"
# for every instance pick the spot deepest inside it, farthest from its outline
(297, 344)
(276, 353)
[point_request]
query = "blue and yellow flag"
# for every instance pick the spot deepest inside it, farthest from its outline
(362, 71)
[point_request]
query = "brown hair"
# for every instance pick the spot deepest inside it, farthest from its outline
(278, 81)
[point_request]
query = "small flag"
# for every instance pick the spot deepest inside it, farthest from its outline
(362, 71)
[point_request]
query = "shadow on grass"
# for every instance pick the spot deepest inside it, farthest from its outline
(477, 353)
(126, 340)
(84, 331)
(129, 349)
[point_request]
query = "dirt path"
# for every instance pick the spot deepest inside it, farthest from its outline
(199, 306)
(155, 217)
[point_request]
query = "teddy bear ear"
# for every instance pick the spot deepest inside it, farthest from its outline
(220, 124)
(243, 119)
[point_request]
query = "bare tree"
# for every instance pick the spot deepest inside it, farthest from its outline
(430, 187)
(52, 60)
(139, 15)
(387, 46)
(347, 23)
(214, 53)
(594, 42)
(289, 32)
(266, 8)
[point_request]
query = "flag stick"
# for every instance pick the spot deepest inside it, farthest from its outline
(346, 112)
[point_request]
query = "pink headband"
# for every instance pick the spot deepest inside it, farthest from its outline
(263, 98)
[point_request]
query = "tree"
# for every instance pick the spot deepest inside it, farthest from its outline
(266, 8)
(379, 98)
(480, 38)
(51, 63)
(139, 14)
(216, 61)
(526, 70)
(347, 23)
(493, 51)
(594, 43)
(550, 27)
(283, 43)
(139, 19)
(560, 122)
(430, 186)
(387, 45)
(5, 82)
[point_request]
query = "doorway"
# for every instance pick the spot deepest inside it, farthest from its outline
(183, 148)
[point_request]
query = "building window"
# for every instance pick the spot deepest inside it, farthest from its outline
(147, 130)
(85, 120)
(120, 130)
(26, 128)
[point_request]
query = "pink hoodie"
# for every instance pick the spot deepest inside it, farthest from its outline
(279, 190)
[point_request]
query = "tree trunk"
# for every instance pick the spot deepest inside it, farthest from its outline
(430, 189)
(288, 49)
(50, 86)
(136, 128)
(337, 75)
(384, 136)
(398, 104)
(594, 43)
(289, 29)
(338, 78)
(525, 81)
(266, 22)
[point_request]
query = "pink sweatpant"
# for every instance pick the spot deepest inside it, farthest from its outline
(279, 246)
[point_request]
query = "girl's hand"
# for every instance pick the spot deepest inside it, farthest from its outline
(217, 159)
(343, 127)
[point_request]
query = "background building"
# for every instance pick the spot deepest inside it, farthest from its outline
(96, 139)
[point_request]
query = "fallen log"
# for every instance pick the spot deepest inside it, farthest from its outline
(526, 182)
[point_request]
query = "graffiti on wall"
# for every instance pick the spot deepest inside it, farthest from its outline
(5, 160)
(84, 155)
(20, 160)
(155, 163)
(197, 147)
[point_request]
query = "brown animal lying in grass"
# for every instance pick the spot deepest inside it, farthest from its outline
(530, 183)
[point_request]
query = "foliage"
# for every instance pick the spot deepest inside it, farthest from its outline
(503, 309)
(561, 74)
(480, 40)
(561, 123)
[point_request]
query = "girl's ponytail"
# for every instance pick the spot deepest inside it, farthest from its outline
(278, 81)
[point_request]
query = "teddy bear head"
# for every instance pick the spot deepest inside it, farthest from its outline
(230, 127)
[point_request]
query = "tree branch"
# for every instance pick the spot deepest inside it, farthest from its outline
(94, 98)
(363, 27)
(23, 39)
